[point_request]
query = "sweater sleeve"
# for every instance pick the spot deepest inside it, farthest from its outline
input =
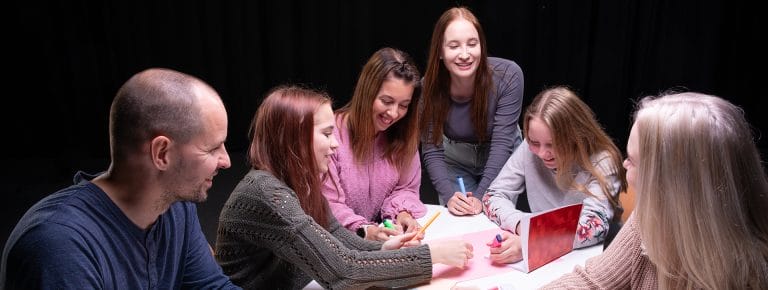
(337, 196)
(263, 213)
(505, 133)
(350, 239)
(405, 195)
(616, 268)
(434, 159)
(597, 211)
(500, 199)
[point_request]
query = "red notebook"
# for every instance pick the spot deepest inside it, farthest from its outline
(548, 235)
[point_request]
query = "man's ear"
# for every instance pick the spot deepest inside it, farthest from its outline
(159, 148)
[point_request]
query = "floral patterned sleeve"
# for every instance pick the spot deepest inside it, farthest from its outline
(597, 211)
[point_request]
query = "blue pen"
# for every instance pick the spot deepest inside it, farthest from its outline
(461, 185)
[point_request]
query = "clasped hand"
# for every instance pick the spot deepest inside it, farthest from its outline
(459, 204)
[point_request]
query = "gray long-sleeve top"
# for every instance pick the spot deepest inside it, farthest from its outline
(266, 241)
(525, 172)
(505, 100)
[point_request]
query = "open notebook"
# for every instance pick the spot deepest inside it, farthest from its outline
(548, 235)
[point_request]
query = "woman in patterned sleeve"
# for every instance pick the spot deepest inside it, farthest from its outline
(567, 158)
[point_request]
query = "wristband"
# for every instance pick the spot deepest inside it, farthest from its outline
(361, 231)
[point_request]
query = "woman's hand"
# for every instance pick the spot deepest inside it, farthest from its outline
(510, 250)
(377, 233)
(451, 252)
(407, 222)
(459, 204)
(400, 241)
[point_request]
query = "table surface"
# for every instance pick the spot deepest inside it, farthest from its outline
(448, 225)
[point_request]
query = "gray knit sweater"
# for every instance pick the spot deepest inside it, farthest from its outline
(266, 241)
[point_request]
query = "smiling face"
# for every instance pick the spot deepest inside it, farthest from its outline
(540, 142)
(323, 140)
(461, 49)
(201, 158)
(391, 103)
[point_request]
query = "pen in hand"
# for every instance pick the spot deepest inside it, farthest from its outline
(461, 185)
(388, 224)
(496, 242)
(429, 222)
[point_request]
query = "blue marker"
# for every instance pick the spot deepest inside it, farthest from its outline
(461, 185)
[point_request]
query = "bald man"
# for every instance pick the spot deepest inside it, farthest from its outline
(134, 226)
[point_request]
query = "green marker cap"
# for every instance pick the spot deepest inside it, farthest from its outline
(388, 224)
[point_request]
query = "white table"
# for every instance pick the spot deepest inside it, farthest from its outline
(448, 225)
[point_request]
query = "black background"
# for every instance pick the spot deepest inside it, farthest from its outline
(66, 60)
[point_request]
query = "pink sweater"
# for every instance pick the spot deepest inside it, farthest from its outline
(372, 189)
(623, 265)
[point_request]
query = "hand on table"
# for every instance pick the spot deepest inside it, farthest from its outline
(451, 252)
(459, 204)
(510, 250)
(400, 241)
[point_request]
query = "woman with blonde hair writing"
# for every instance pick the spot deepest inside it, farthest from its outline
(566, 158)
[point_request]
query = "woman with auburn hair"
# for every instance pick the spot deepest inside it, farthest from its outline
(702, 197)
(471, 107)
(375, 173)
(276, 230)
(567, 158)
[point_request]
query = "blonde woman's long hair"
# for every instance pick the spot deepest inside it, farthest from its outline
(576, 136)
(702, 193)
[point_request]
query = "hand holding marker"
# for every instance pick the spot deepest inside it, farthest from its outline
(496, 242)
(461, 185)
(429, 222)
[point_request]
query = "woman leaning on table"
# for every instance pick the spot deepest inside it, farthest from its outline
(702, 197)
(471, 104)
(276, 230)
(566, 158)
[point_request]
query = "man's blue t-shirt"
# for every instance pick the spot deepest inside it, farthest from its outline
(77, 238)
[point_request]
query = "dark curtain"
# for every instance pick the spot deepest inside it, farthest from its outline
(68, 58)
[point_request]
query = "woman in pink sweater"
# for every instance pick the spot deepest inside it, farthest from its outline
(375, 173)
(700, 220)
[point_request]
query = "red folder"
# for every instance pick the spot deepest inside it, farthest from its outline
(548, 235)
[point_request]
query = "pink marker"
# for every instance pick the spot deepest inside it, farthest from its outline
(496, 242)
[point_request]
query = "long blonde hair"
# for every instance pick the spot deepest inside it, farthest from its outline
(576, 136)
(702, 193)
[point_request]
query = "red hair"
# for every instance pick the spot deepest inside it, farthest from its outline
(289, 155)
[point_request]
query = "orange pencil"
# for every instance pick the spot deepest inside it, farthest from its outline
(429, 222)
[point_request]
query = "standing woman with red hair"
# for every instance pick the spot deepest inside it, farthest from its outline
(471, 105)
